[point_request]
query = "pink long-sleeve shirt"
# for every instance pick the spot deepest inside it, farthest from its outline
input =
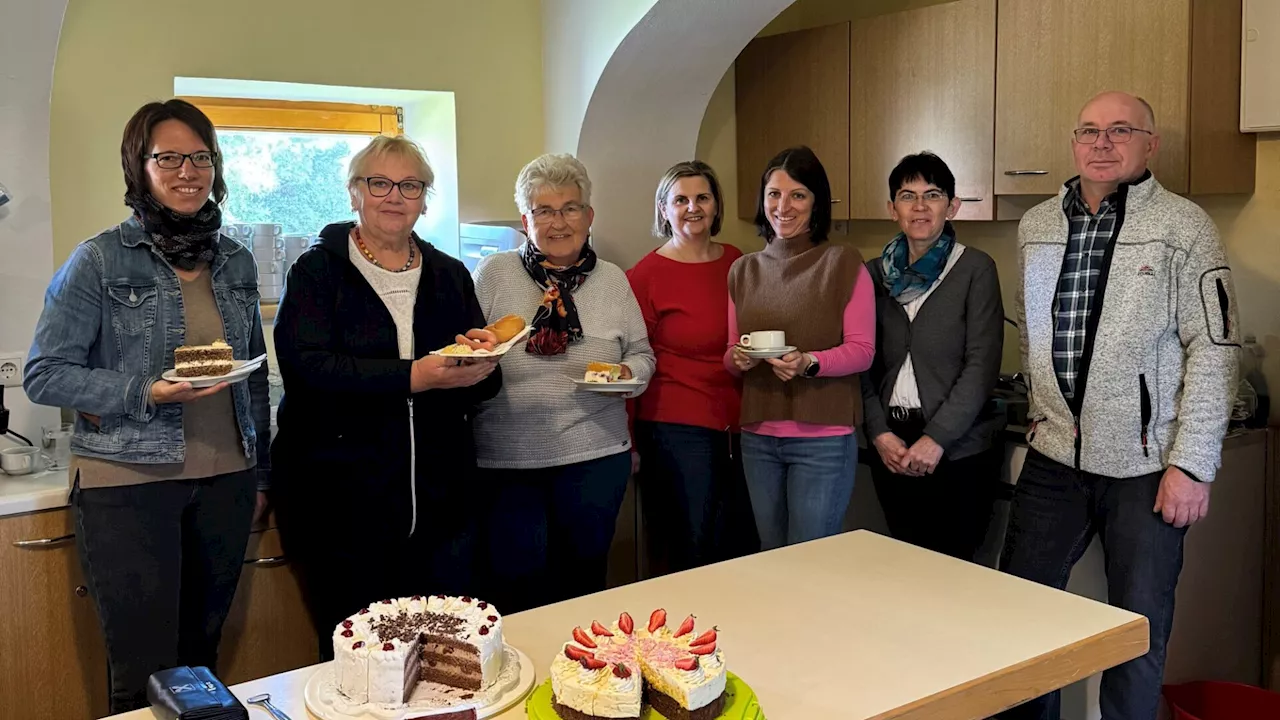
(853, 355)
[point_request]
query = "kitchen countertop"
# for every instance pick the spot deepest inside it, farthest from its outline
(29, 493)
(855, 626)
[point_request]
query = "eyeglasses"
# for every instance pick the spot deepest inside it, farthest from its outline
(382, 187)
(173, 160)
(931, 197)
(571, 213)
(1116, 134)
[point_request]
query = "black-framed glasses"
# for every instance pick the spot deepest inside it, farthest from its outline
(382, 187)
(931, 197)
(173, 160)
(571, 213)
(1116, 134)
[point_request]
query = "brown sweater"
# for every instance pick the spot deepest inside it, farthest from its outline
(801, 289)
(209, 427)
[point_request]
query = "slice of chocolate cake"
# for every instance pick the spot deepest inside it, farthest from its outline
(203, 360)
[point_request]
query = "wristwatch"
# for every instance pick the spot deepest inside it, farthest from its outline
(813, 369)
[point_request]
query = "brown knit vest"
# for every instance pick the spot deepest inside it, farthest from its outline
(801, 289)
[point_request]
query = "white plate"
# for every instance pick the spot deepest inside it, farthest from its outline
(763, 353)
(240, 369)
(621, 386)
(496, 352)
(514, 682)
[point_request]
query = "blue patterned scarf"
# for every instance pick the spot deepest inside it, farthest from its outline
(906, 280)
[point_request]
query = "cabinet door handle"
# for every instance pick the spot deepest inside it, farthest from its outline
(43, 542)
(1026, 172)
(835, 200)
(268, 561)
(969, 199)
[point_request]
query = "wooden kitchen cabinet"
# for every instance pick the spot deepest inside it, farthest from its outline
(268, 630)
(1182, 56)
(793, 89)
(53, 662)
(923, 80)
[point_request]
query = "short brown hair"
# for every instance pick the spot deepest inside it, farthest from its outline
(689, 168)
(137, 143)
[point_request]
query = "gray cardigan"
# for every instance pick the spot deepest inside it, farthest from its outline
(957, 339)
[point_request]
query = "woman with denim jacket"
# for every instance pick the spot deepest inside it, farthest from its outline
(165, 474)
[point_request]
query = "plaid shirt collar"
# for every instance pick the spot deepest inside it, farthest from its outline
(1073, 203)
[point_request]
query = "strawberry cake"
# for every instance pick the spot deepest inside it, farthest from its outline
(611, 672)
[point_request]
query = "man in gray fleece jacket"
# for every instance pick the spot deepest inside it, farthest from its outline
(1129, 340)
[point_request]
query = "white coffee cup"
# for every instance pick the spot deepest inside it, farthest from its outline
(266, 230)
(268, 267)
(764, 340)
(266, 242)
(296, 243)
(21, 460)
(268, 254)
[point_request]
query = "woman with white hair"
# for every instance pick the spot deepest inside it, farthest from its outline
(557, 457)
(375, 433)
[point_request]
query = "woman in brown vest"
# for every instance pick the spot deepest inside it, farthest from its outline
(802, 400)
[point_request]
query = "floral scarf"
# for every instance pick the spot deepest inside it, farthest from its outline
(185, 241)
(556, 322)
(906, 280)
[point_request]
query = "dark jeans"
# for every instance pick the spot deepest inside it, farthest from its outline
(162, 561)
(800, 487)
(947, 511)
(549, 530)
(340, 573)
(1056, 511)
(695, 500)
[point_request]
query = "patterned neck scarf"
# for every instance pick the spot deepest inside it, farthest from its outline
(906, 280)
(556, 323)
(185, 241)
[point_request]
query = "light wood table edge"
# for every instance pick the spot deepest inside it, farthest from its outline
(985, 696)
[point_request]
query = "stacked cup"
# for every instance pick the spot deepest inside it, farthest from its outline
(294, 246)
(268, 251)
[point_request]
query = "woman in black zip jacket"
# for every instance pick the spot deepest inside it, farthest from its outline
(374, 457)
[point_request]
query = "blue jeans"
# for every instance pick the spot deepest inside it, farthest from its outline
(800, 487)
(694, 496)
(549, 530)
(1056, 512)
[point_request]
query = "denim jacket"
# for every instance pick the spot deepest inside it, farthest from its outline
(112, 318)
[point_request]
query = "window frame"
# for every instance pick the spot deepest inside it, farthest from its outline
(295, 116)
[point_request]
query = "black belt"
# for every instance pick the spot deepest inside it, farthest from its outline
(906, 415)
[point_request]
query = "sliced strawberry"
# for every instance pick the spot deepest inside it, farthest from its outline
(657, 620)
(598, 629)
(703, 649)
(622, 671)
(689, 663)
(706, 637)
(591, 663)
(573, 652)
(626, 624)
(685, 628)
(583, 638)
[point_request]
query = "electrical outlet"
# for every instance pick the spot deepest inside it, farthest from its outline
(11, 369)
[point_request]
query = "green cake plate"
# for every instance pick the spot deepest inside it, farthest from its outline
(739, 703)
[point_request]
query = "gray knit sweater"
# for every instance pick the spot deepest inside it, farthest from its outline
(1157, 386)
(540, 418)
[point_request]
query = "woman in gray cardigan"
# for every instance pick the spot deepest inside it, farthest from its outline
(940, 334)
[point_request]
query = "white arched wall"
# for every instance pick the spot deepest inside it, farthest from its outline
(28, 47)
(647, 108)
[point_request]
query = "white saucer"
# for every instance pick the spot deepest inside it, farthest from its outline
(240, 369)
(764, 353)
(619, 386)
(498, 351)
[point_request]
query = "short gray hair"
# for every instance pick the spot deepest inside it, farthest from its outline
(551, 171)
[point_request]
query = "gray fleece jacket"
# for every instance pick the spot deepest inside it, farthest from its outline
(1158, 374)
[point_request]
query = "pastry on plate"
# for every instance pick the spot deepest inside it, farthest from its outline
(506, 327)
(203, 360)
(598, 372)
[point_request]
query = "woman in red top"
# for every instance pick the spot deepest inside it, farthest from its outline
(686, 423)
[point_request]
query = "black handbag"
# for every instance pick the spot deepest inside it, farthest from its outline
(187, 693)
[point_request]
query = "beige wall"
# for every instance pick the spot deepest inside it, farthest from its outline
(115, 56)
(1250, 226)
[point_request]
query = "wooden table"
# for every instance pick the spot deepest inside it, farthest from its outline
(856, 626)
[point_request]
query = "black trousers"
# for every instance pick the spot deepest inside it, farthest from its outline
(947, 511)
(162, 561)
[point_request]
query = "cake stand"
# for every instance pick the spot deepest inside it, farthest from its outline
(739, 703)
(428, 699)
